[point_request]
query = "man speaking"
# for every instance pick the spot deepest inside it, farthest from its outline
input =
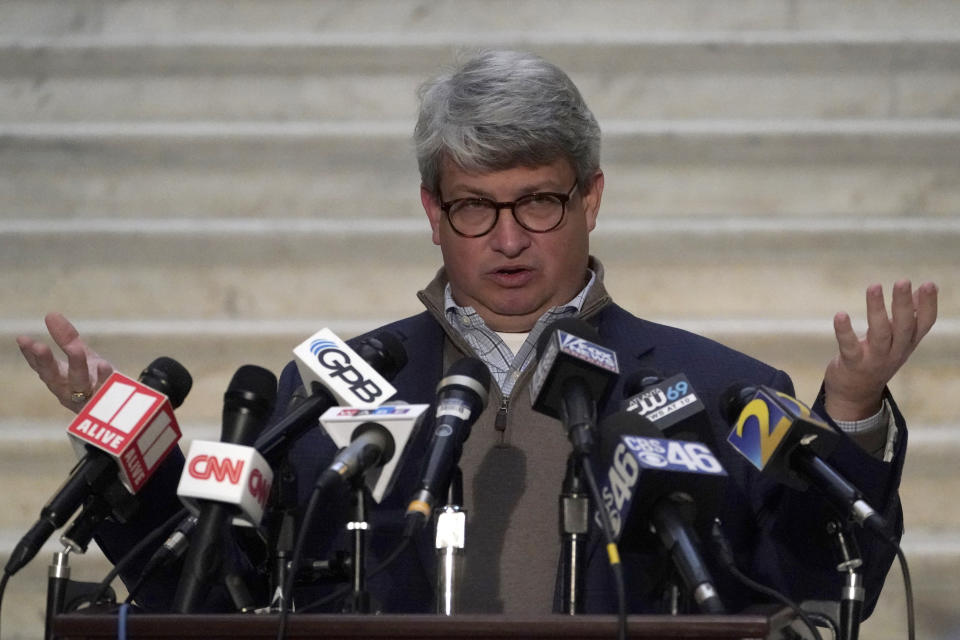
(509, 159)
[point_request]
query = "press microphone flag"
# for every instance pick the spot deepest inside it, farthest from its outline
(131, 423)
(229, 474)
(399, 420)
(325, 359)
(643, 467)
(128, 451)
(784, 438)
(768, 425)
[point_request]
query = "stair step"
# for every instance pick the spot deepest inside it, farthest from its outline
(258, 270)
(308, 169)
(282, 77)
(146, 17)
(212, 357)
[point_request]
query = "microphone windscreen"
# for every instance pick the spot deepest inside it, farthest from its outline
(169, 377)
(385, 353)
(639, 380)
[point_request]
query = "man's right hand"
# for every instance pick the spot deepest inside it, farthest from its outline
(73, 381)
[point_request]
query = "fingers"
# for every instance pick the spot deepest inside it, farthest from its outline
(925, 303)
(904, 321)
(879, 332)
(78, 375)
(850, 350)
(61, 330)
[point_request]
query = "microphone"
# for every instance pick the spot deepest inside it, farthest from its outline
(126, 428)
(326, 361)
(371, 446)
(671, 405)
(382, 350)
(345, 424)
(664, 488)
(210, 476)
(461, 397)
(575, 374)
(782, 437)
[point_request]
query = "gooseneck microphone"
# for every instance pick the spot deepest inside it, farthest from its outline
(786, 440)
(248, 402)
(575, 374)
(382, 350)
(461, 396)
(371, 446)
(658, 489)
(123, 434)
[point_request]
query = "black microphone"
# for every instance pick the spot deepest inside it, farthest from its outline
(371, 445)
(786, 440)
(671, 404)
(663, 490)
(382, 350)
(248, 402)
(461, 396)
(574, 375)
(97, 470)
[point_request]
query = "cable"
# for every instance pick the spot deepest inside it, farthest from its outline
(287, 587)
(342, 591)
(825, 621)
(122, 622)
(3, 587)
(907, 588)
(613, 554)
(726, 557)
(155, 535)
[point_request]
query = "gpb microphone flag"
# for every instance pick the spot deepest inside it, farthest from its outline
(326, 359)
(132, 423)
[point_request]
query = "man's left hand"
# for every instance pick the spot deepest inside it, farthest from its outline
(856, 377)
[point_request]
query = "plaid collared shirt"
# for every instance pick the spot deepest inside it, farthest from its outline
(504, 365)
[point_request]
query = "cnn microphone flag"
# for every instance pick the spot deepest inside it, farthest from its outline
(132, 423)
(227, 473)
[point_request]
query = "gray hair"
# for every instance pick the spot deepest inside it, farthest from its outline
(503, 109)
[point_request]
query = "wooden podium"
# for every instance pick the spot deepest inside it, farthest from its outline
(763, 624)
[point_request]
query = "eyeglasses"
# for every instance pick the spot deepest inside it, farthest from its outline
(537, 212)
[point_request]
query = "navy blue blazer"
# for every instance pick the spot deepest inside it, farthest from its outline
(778, 534)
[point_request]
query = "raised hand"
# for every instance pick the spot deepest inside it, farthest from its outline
(75, 379)
(856, 377)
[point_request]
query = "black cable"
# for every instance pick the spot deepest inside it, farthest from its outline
(907, 588)
(287, 588)
(3, 587)
(825, 621)
(726, 557)
(121, 564)
(613, 554)
(342, 591)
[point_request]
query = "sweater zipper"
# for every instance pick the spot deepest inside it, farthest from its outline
(500, 421)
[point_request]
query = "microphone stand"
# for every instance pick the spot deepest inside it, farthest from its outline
(574, 524)
(450, 537)
(58, 579)
(285, 533)
(851, 596)
(359, 600)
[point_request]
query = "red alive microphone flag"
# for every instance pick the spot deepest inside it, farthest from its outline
(132, 423)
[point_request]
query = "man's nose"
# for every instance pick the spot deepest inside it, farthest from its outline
(507, 235)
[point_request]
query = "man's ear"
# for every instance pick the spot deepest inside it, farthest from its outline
(592, 194)
(431, 205)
